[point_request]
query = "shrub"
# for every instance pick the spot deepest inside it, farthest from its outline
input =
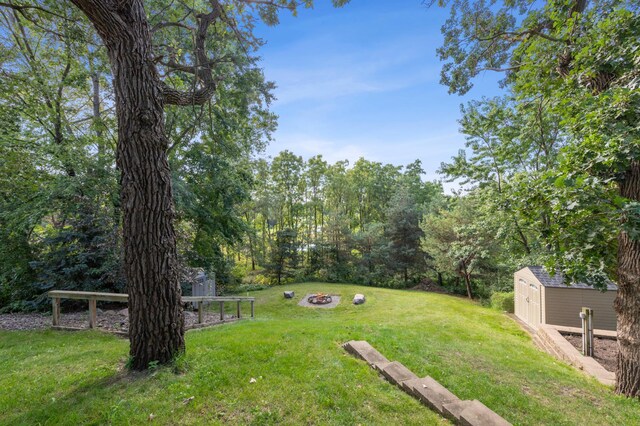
(502, 301)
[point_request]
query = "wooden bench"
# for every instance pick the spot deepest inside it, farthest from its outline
(57, 295)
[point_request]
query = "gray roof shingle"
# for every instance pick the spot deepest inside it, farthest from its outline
(557, 280)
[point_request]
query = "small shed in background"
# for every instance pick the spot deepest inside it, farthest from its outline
(544, 299)
(203, 286)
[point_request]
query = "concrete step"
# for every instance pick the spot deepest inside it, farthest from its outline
(453, 410)
(430, 393)
(477, 414)
(426, 389)
(397, 373)
(363, 350)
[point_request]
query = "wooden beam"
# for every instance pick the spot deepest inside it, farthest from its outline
(121, 297)
(252, 312)
(221, 310)
(199, 312)
(86, 295)
(216, 299)
(238, 310)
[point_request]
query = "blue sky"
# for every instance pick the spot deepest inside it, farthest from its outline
(363, 81)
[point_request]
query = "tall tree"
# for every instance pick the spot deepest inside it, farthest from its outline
(582, 56)
(510, 145)
(404, 233)
(189, 39)
(460, 240)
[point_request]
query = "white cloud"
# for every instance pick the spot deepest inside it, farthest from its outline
(301, 75)
(309, 146)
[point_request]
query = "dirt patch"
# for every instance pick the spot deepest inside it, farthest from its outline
(24, 321)
(112, 320)
(605, 351)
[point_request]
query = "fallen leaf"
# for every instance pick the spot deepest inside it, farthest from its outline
(252, 380)
(188, 400)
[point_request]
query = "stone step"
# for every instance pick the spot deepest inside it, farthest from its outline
(363, 350)
(477, 414)
(453, 410)
(427, 390)
(430, 393)
(397, 373)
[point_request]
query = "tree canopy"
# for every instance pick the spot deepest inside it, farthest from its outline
(578, 60)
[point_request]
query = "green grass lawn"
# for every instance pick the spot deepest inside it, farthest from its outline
(302, 374)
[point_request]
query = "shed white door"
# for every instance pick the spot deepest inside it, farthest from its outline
(528, 303)
(534, 305)
(522, 307)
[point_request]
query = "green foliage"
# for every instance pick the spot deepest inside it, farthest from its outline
(503, 301)
(79, 256)
(284, 256)
(403, 233)
(463, 244)
(570, 119)
(358, 224)
(59, 196)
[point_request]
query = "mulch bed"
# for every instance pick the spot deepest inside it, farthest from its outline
(605, 351)
(112, 320)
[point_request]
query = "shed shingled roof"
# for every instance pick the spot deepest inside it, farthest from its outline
(557, 280)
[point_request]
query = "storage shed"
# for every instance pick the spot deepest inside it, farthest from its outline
(544, 299)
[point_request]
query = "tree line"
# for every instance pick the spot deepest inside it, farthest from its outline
(336, 222)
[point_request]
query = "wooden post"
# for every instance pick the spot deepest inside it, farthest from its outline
(252, 309)
(221, 311)
(200, 312)
(93, 313)
(55, 314)
(238, 309)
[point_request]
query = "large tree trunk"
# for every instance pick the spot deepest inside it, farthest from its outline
(627, 302)
(156, 321)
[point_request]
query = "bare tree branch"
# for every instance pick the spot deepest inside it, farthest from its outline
(202, 69)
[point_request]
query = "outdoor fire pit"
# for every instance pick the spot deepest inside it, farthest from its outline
(319, 299)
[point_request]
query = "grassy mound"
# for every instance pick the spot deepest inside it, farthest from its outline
(302, 375)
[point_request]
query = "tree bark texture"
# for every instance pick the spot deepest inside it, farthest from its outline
(156, 320)
(627, 302)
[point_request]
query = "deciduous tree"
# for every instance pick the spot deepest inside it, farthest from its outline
(145, 53)
(583, 57)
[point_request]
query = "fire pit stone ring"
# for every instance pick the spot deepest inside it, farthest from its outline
(319, 299)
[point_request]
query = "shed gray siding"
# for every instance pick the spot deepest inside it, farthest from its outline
(562, 306)
(548, 301)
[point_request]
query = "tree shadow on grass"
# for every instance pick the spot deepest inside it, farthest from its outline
(93, 401)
